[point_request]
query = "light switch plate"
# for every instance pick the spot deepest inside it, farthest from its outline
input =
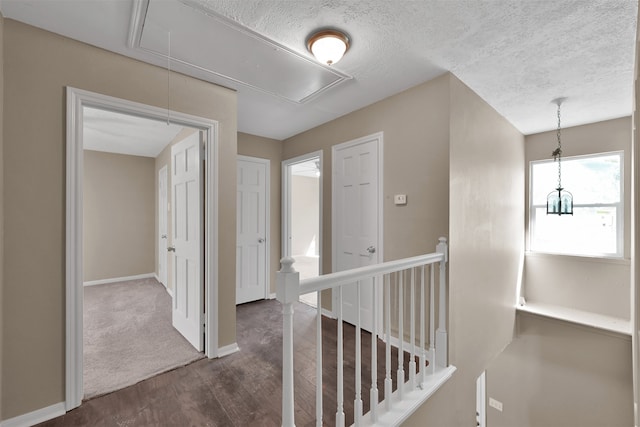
(400, 199)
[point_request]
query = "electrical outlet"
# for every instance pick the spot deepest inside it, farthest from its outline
(400, 199)
(495, 404)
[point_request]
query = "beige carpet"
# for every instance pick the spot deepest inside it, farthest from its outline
(128, 335)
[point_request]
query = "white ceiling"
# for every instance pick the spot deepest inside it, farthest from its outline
(125, 134)
(516, 54)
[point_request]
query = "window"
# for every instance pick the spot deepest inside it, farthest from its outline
(595, 228)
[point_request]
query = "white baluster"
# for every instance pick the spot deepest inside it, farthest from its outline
(432, 319)
(340, 411)
(287, 292)
(441, 333)
(373, 404)
(357, 403)
(412, 334)
(422, 346)
(319, 360)
(400, 377)
(388, 384)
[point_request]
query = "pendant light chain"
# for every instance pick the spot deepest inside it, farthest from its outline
(559, 151)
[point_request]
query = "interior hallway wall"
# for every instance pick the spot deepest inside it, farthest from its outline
(38, 66)
(557, 374)
(598, 285)
(1, 197)
(486, 184)
(118, 215)
(271, 149)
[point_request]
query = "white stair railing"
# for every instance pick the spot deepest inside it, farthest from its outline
(398, 278)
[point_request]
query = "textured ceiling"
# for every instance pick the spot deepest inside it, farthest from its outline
(518, 55)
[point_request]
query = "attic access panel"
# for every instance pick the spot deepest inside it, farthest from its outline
(212, 43)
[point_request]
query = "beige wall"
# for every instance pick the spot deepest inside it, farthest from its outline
(305, 192)
(164, 159)
(1, 200)
(416, 159)
(420, 126)
(486, 242)
(597, 285)
(555, 374)
(271, 149)
(118, 208)
(38, 66)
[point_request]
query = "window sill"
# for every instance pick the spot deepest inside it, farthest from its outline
(580, 258)
(580, 317)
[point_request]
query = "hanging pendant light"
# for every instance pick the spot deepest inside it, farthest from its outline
(559, 201)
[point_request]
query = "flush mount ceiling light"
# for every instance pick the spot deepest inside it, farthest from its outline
(560, 201)
(328, 46)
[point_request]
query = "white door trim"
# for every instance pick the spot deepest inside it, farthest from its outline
(286, 203)
(76, 100)
(267, 208)
(379, 138)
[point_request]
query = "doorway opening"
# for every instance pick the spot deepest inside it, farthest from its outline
(194, 159)
(302, 216)
(130, 326)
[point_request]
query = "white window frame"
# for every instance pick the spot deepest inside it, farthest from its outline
(619, 208)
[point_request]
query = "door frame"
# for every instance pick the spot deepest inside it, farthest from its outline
(163, 172)
(378, 137)
(286, 203)
(76, 100)
(267, 219)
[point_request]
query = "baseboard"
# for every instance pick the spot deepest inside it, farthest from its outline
(328, 313)
(228, 349)
(169, 291)
(119, 279)
(35, 417)
(395, 342)
(272, 296)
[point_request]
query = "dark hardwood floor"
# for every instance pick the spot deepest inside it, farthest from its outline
(243, 389)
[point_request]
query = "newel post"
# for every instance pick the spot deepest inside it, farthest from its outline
(441, 332)
(287, 292)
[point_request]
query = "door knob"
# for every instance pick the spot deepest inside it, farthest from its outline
(261, 240)
(371, 250)
(171, 249)
(164, 236)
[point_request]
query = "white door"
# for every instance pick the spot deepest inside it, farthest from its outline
(356, 219)
(162, 225)
(251, 249)
(186, 202)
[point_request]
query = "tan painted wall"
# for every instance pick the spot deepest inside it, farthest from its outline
(118, 215)
(38, 66)
(597, 285)
(555, 374)
(266, 148)
(305, 193)
(164, 159)
(1, 200)
(486, 241)
(416, 159)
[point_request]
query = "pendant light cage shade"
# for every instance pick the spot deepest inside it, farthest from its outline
(560, 202)
(328, 46)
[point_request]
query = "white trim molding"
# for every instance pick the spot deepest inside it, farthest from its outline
(228, 349)
(120, 279)
(77, 99)
(35, 417)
